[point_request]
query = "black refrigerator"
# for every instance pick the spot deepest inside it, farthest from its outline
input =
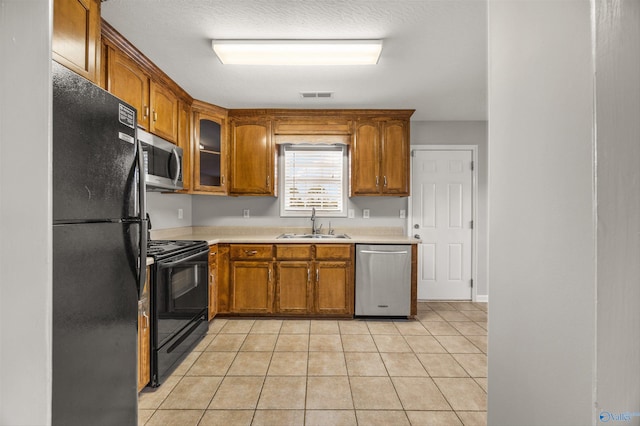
(99, 254)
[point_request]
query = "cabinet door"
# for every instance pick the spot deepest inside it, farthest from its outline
(395, 158)
(251, 158)
(333, 288)
(209, 154)
(164, 112)
(76, 36)
(222, 278)
(365, 169)
(128, 82)
(213, 288)
(184, 142)
(251, 287)
(144, 336)
(293, 292)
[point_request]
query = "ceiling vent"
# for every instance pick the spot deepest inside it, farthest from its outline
(316, 95)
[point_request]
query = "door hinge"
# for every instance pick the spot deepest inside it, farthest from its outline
(471, 224)
(472, 165)
(471, 282)
(413, 152)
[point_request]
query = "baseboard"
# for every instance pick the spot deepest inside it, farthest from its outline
(484, 298)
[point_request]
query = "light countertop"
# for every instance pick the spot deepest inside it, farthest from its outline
(269, 235)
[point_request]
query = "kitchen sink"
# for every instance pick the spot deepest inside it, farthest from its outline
(313, 236)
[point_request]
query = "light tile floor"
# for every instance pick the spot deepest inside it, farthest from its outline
(428, 371)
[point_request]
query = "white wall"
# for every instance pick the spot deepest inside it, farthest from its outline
(163, 210)
(464, 133)
(541, 221)
(25, 212)
(618, 150)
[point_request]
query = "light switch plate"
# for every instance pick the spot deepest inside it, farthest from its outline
(365, 213)
(403, 214)
(180, 214)
(351, 213)
(246, 213)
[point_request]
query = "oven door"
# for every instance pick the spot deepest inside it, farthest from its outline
(181, 293)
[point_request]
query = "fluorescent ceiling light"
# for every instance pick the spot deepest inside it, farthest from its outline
(298, 52)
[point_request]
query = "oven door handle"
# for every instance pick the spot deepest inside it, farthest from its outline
(177, 262)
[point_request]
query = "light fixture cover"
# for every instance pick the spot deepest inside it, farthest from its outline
(298, 52)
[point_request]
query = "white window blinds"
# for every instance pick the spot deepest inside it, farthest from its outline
(313, 177)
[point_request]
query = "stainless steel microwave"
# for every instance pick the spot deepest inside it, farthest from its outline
(162, 163)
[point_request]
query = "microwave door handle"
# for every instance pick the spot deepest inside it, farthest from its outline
(177, 158)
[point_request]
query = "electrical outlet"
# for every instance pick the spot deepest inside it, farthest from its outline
(352, 213)
(403, 214)
(365, 213)
(180, 214)
(246, 213)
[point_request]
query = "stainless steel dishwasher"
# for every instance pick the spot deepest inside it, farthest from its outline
(383, 280)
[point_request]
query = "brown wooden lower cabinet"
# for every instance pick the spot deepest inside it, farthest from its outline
(144, 337)
(293, 287)
(251, 287)
(333, 288)
(285, 279)
(213, 288)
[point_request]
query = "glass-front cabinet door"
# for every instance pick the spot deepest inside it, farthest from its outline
(210, 151)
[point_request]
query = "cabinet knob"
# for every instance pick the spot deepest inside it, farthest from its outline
(416, 226)
(417, 237)
(155, 116)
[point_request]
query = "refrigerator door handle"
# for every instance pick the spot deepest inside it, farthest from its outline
(141, 180)
(142, 261)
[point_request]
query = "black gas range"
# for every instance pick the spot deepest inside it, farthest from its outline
(179, 302)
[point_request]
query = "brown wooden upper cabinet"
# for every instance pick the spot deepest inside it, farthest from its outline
(252, 157)
(210, 149)
(157, 106)
(184, 142)
(76, 36)
(380, 158)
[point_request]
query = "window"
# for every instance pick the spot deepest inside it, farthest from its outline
(313, 177)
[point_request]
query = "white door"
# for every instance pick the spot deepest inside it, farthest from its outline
(442, 217)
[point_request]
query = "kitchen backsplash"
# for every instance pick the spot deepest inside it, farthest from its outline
(203, 210)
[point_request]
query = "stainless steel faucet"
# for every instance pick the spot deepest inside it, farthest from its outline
(313, 221)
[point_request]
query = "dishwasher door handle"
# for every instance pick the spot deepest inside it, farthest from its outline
(383, 252)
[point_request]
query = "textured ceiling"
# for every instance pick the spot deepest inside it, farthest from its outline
(434, 57)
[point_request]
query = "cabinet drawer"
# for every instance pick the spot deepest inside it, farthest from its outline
(293, 251)
(251, 251)
(333, 251)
